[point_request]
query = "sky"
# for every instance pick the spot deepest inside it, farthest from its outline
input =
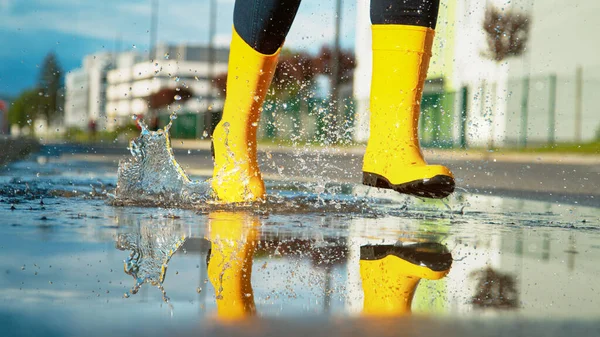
(74, 28)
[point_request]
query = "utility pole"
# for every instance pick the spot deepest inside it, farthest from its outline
(552, 111)
(334, 134)
(153, 30)
(212, 12)
(578, 102)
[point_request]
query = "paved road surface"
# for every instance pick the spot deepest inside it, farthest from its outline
(571, 181)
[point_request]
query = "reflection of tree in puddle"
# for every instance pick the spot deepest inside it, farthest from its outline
(495, 290)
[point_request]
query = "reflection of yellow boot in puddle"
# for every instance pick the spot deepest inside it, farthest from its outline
(233, 238)
(236, 176)
(390, 274)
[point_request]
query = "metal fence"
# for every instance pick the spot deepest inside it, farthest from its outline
(529, 111)
(545, 109)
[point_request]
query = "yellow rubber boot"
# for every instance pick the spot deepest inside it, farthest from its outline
(236, 176)
(390, 275)
(393, 158)
(233, 241)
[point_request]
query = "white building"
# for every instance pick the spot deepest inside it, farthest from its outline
(131, 83)
(499, 103)
(85, 91)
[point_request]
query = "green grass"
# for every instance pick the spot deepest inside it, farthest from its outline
(592, 148)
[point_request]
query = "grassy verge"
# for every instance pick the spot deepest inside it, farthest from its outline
(592, 148)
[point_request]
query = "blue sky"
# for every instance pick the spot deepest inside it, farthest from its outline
(73, 28)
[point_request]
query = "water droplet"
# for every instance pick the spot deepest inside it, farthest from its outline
(205, 134)
(177, 98)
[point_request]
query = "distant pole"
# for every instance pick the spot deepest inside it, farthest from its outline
(552, 111)
(524, 112)
(118, 47)
(153, 30)
(463, 118)
(334, 133)
(494, 102)
(578, 102)
(212, 12)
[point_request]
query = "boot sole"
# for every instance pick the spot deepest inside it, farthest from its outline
(438, 187)
(432, 255)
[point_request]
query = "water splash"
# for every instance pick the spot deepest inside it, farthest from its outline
(151, 247)
(153, 176)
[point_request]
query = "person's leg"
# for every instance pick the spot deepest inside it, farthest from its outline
(259, 29)
(403, 32)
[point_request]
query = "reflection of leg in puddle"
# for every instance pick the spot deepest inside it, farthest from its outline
(233, 237)
(390, 274)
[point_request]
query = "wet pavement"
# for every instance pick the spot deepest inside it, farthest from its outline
(530, 176)
(326, 259)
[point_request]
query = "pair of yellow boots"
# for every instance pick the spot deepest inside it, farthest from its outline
(393, 158)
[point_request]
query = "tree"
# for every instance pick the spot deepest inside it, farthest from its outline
(296, 72)
(165, 97)
(24, 108)
(346, 62)
(495, 290)
(50, 82)
(507, 32)
(294, 80)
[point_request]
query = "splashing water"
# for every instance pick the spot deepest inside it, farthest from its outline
(151, 248)
(153, 176)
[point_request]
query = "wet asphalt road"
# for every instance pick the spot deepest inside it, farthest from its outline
(557, 182)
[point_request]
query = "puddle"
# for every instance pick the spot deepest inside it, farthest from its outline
(304, 254)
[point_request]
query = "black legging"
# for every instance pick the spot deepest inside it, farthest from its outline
(264, 24)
